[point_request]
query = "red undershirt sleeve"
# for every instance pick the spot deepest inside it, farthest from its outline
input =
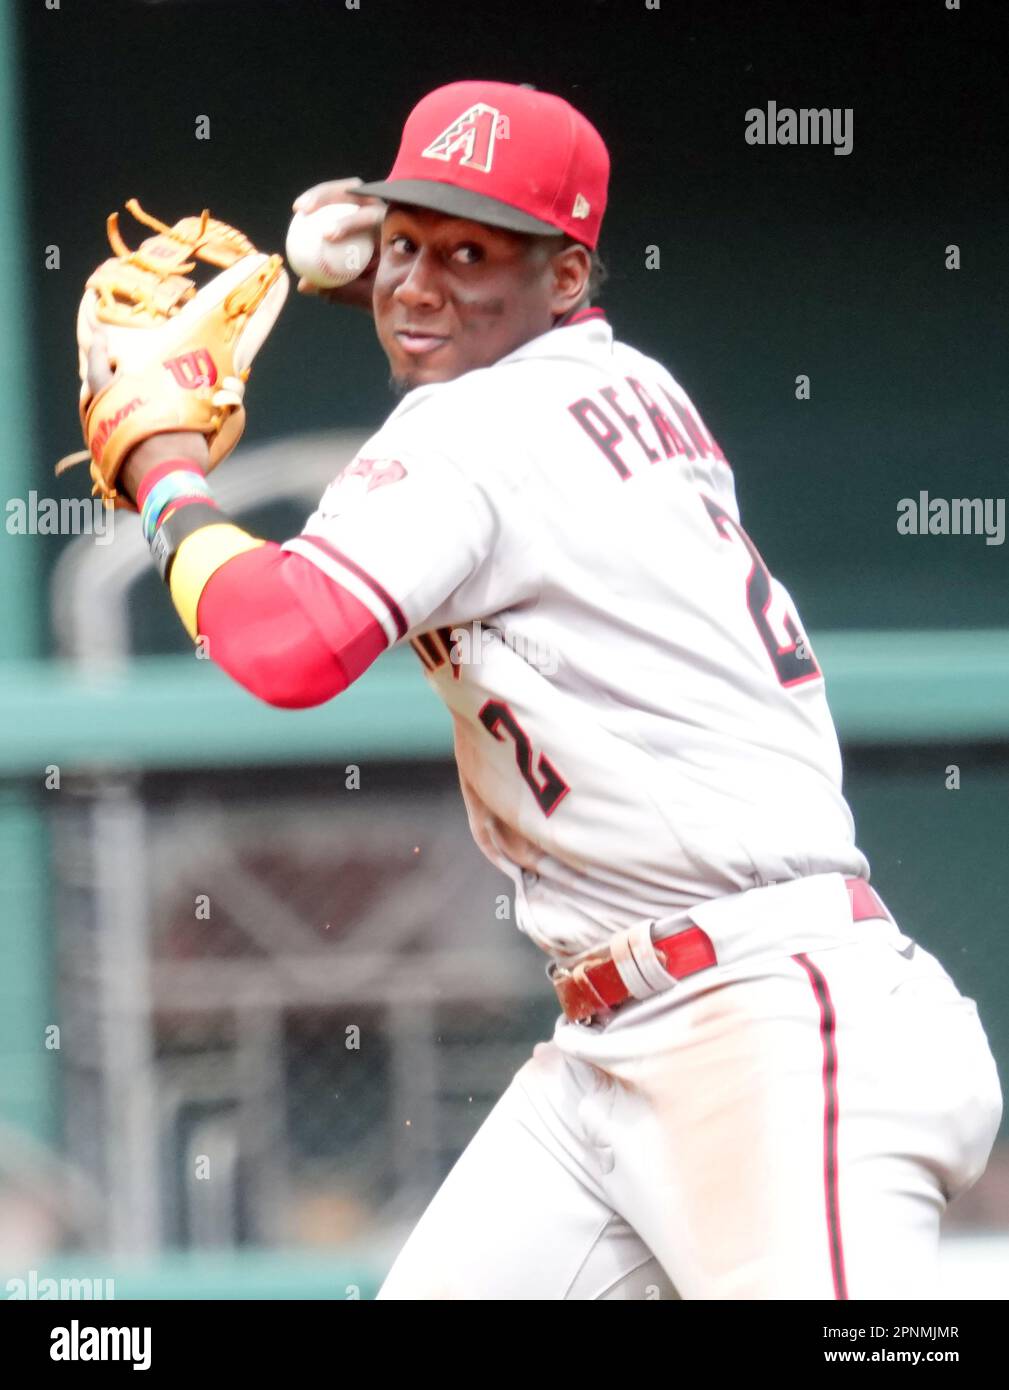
(284, 630)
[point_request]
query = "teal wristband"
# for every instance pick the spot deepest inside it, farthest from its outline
(171, 488)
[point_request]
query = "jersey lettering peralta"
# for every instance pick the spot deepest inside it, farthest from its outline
(640, 722)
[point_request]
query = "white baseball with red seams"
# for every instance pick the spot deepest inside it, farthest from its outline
(643, 737)
(327, 264)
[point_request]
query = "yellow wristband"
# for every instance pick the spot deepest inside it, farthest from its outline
(199, 556)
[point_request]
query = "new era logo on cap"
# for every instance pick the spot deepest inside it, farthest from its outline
(506, 155)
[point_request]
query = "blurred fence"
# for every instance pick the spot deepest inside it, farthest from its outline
(281, 1025)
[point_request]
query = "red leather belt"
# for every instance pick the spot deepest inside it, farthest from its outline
(595, 986)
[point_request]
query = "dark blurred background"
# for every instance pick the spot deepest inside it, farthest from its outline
(775, 260)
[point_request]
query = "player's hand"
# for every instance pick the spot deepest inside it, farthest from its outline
(159, 447)
(369, 219)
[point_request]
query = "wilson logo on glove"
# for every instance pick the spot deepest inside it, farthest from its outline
(193, 369)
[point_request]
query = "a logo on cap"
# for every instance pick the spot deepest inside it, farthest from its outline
(581, 207)
(472, 133)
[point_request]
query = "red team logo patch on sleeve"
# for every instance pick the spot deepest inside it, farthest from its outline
(375, 472)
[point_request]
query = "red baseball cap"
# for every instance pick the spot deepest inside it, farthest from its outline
(506, 155)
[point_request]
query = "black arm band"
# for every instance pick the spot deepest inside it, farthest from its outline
(172, 532)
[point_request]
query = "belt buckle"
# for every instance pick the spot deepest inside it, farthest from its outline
(555, 968)
(559, 974)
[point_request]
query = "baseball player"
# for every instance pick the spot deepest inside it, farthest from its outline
(758, 1086)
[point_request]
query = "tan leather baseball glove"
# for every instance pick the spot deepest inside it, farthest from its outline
(181, 355)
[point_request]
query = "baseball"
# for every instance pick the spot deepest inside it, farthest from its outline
(327, 264)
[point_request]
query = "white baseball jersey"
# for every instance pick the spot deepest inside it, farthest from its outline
(640, 722)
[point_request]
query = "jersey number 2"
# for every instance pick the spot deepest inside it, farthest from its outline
(795, 663)
(496, 715)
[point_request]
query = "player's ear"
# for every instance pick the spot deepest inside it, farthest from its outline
(572, 267)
